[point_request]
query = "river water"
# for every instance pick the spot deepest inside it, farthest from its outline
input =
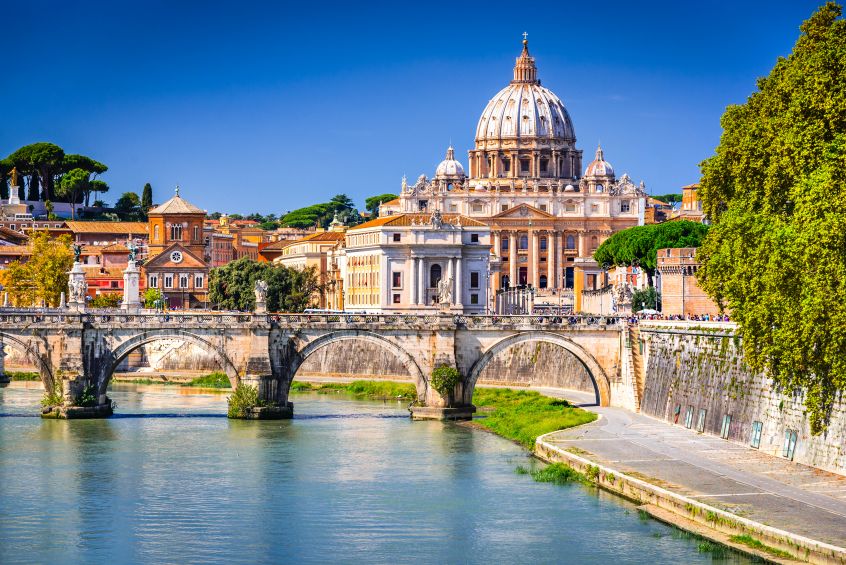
(169, 479)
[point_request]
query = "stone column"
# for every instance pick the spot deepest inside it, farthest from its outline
(534, 260)
(497, 245)
(450, 275)
(421, 283)
(512, 258)
(559, 254)
(412, 282)
(131, 276)
(459, 281)
(582, 244)
(550, 259)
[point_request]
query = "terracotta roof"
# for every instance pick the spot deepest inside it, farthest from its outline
(108, 227)
(694, 186)
(176, 205)
(394, 202)
(115, 248)
(317, 236)
(11, 235)
(418, 219)
(14, 250)
(95, 271)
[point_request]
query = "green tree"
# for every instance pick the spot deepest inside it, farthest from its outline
(72, 186)
(42, 160)
(147, 198)
(94, 168)
(639, 245)
(231, 287)
(151, 298)
(128, 207)
(44, 276)
(646, 299)
(774, 190)
(669, 198)
(106, 301)
(372, 204)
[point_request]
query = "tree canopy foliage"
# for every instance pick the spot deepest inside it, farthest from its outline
(669, 198)
(639, 245)
(372, 204)
(44, 276)
(231, 286)
(774, 189)
(322, 214)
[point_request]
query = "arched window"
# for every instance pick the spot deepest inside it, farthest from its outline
(542, 281)
(543, 244)
(594, 242)
(524, 242)
(571, 242)
(156, 232)
(600, 188)
(434, 275)
(176, 232)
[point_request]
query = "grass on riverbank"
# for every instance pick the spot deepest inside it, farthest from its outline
(749, 541)
(23, 376)
(376, 390)
(556, 473)
(212, 380)
(523, 415)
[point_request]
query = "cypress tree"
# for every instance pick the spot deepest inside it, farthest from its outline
(147, 198)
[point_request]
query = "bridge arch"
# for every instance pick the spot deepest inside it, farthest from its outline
(417, 376)
(44, 369)
(128, 346)
(601, 384)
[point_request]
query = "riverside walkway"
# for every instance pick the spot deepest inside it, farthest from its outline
(722, 474)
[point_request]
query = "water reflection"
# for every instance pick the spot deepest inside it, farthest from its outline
(171, 480)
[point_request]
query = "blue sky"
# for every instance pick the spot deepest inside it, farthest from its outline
(256, 107)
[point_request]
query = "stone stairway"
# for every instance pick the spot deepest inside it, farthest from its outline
(637, 364)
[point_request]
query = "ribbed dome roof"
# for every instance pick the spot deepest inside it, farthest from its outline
(524, 108)
(599, 167)
(449, 167)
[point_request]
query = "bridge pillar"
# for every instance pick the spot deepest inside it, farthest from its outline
(81, 356)
(4, 378)
(440, 351)
(267, 375)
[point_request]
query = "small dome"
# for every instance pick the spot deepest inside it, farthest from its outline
(569, 188)
(449, 167)
(599, 167)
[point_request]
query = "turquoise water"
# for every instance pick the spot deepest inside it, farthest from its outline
(170, 480)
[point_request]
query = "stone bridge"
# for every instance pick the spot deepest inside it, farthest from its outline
(80, 351)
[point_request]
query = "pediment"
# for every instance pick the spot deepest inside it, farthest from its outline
(163, 260)
(524, 211)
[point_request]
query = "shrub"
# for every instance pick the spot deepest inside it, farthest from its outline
(243, 400)
(88, 397)
(54, 397)
(106, 301)
(445, 378)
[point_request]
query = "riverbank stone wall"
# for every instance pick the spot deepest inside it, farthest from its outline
(698, 378)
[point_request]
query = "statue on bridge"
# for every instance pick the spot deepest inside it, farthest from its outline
(133, 251)
(78, 290)
(445, 291)
(77, 251)
(261, 296)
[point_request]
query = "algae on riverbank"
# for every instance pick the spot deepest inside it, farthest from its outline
(523, 415)
(375, 390)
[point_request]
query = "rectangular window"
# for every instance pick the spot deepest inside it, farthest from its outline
(688, 417)
(474, 299)
(115, 284)
(503, 207)
(474, 279)
(724, 431)
(397, 237)
(506, 165)
(625, 206)
(474, 238)
(198, 281)
(790, 438)
(524, 165)
(396, 280)
(543, 207)
(183, 281)
(168, 281)
(700, 423)
(543, 165)
(504, 244)
(453, 207)
(154, 281)
(396, 298)
(477, 208)
(756, 434)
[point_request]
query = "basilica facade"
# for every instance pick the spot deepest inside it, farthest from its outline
(525, 181)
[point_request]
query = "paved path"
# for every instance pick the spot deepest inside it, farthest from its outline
(730, 476)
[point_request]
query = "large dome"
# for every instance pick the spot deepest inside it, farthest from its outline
(525, 109)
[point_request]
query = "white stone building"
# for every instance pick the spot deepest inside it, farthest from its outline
(411, 263)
